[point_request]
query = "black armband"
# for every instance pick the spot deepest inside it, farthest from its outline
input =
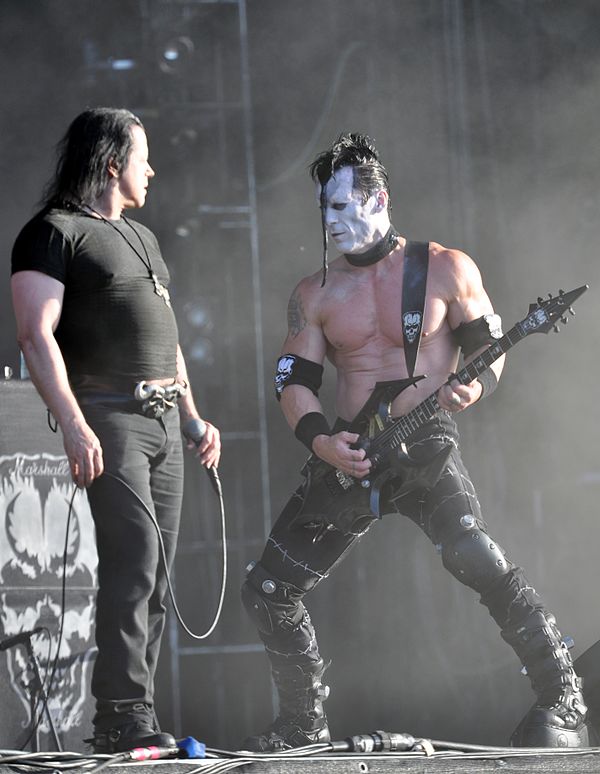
(293, 369)
(489, 381)
(310, 426)
(472, 335)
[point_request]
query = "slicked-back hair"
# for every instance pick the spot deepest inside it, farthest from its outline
(369, 175)
(96, 138)
(359, 152)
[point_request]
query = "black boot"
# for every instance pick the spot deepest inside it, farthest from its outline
(558, 717)
(123, 731)
(301, 720)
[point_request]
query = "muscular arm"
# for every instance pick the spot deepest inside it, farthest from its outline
(209, 450)
(306, 338)
(37, 301)
(468, 301)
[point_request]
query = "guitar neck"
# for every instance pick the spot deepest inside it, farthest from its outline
(403, 427)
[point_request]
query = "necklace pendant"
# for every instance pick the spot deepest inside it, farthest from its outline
(160, 290)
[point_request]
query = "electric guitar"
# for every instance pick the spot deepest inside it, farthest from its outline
(332, 497)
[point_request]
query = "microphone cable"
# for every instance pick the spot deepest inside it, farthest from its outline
(193, 430)
(37, 711)
(217, 487)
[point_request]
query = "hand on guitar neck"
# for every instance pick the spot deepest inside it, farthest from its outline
(456, 397)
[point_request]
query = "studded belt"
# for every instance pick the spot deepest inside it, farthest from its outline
(152, 400)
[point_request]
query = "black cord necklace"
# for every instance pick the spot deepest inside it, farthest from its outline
(160, 290)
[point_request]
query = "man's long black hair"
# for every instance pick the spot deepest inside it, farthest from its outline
(96, 138)
(369, 175)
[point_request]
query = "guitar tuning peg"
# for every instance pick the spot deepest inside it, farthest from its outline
(550, 295)
(564, 320)
(572, 311)
(561, 293)
(555, 328)
(540, 299)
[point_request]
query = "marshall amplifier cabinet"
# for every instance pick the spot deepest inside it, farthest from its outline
(46, 541)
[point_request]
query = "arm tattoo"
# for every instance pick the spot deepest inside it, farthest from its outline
(296, 316)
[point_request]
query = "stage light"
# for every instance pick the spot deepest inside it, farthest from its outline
(198, 316)
(197, 326)
(121, 64)
(201, 350)
(176, 53)
(183, 231)
(187, 228)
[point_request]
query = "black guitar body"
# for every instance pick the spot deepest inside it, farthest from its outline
(332, 499)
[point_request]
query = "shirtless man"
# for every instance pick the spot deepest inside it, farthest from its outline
(352, 314)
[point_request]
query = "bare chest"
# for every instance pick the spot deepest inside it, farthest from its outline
(366, 312)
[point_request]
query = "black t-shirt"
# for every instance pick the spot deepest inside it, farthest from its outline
(112, 323)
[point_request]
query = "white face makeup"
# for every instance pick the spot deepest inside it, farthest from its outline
(354, 226)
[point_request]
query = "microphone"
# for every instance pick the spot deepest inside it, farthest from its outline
(194, 430)
(17, 639)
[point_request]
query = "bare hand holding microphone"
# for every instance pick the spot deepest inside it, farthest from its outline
(206, 438)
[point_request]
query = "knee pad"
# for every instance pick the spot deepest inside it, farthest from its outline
(473, 557)
(273, 605)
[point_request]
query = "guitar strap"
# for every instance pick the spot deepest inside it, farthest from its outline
(414, 282)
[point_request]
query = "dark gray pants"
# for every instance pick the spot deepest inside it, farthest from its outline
(147, 455)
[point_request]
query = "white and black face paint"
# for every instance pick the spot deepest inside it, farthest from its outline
(353, 225)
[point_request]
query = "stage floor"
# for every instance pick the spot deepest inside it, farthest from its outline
(434, 760)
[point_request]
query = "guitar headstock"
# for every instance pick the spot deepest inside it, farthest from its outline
(545, 315)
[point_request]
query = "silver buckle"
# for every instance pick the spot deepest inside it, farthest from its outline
(156, 399)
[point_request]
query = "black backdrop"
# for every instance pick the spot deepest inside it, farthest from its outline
(486, 117)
